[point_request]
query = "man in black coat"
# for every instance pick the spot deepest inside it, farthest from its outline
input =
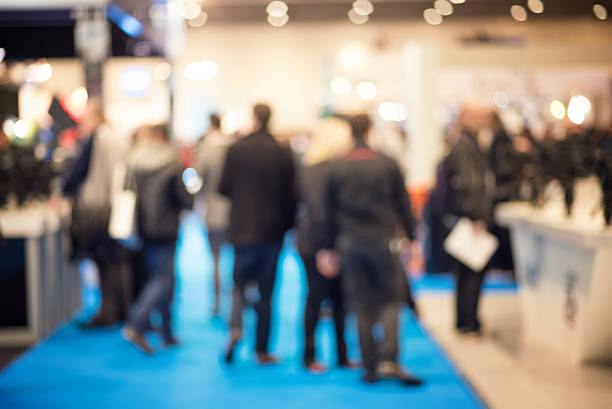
(259, 179)
(364, 197)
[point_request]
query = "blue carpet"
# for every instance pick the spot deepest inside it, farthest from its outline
(97, 369)
(498, 282)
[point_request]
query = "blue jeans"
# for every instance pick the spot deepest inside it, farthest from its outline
(157, 292)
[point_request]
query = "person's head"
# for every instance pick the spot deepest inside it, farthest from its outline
(471, 117)
(215, 121)
(93, 118)
(159, 133)
(331, 139)
(360, 127)
(495, 121)
(261, 115)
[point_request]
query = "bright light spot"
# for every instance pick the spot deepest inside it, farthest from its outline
(366, 90)
(2, 54)
(201, 70)
(192, 10)
(199, 21)
(518, 13)
(578, 108)
(363, 7)
(357, 18)
(135, 81)
(457, 1)
(443, 7)
(44, 72)
(557, 109)
(352, 57)
(79, 96)
(157, 11)
(162, 71)
(600, 11)
(277, 8)
(341, 86)
(501, 99)
(278, 21)
(432, 17)
(192, 181)
(7, 127)
(393, 111)
(20, 129)
(536, 6)
(31, 73)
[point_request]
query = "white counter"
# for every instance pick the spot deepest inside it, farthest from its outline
(564, 268)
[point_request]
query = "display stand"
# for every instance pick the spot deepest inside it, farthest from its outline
(564, 268)
(52, 286)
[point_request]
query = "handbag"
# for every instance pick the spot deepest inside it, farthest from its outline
(123, 216)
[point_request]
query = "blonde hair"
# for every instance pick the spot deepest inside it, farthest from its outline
(331, 138)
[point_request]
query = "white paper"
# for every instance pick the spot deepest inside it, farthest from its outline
(471, 248)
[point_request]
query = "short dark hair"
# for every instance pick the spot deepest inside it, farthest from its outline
(161, 130)
(262, 112)
(360, 125)
(215, 121)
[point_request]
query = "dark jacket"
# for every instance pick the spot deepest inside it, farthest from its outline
(259, 178)
(161, 195)
(312, 182)
(505, 164)
(364, 199)
(466, 171)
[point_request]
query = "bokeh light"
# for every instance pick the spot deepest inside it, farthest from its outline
(557, 109)
(341, 86)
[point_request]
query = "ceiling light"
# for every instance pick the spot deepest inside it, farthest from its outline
(600, 11)
(536, 6)
(357, 18)
(366, 90)
(278, 21)
(518, 13)
(192, 10)
(277, 9)
(341, 86)
(557, 109)
(162, 71)
(444, 7)
(199, 21)
(457, 1)
(363, 7)
(432, 17)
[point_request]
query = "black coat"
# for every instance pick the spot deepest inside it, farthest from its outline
(259, 178)
(466, 171)
(312, 182)
(364, 200)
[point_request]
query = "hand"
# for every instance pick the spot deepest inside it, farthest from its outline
(480, 227)
(328, 263)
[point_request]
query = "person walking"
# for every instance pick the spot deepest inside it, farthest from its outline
(210, 204)
(258, 177)
(330, 141)
(364, 197)
(161, 197)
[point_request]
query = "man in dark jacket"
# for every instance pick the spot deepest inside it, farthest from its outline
(364, 197)
(470, 195)
(259, 179)
(154, 167)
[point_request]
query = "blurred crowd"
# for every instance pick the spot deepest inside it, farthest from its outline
(356, 228)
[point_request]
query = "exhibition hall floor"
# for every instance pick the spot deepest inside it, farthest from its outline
(97, 369)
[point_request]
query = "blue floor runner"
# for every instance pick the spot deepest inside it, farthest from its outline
(97, 369)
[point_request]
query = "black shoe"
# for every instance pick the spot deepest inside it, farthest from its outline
(171, 342)
(391, 370)
(229, 352)
(369, 377)
(264, 358)
(97, 322)
(138, 340)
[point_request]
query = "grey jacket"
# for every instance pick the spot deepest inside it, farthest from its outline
(155, 171)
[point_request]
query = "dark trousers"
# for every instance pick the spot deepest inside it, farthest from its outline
(469, 285)
(255, 263)
(156, 294)
(373, 286)
(115, 290)
(320, 289)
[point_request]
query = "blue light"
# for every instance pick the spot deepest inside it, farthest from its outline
(128, 24)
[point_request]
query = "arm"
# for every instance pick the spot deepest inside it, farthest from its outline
(225, 182)
(325, 223)
(402, 202)
(76, 172)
